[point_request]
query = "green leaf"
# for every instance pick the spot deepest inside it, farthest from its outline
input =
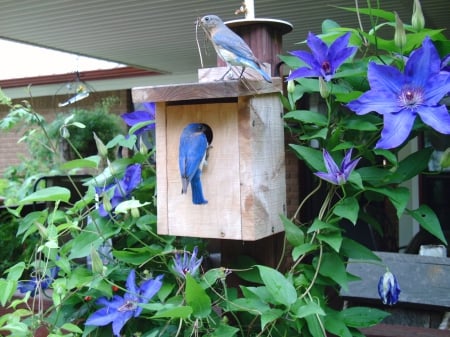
(312, 157)
(335, 325)
(303, 249)
(253, 306)
(53, 193)
(329, 26)
(197, 298)
(7, 290)
(428, 220)
(270, 316)
(224, 330)
(333, 267)
(71, 328)
(333, 239)
(88, 162)
(362, 317)
(278, 286)
(15, 272)
(355, 250)
(174, 312)
(399, 197)
(307, 116)
(411, 166)
(303, 309)
(347, 208)
(314, 326)
(294, 234)
(321, 225)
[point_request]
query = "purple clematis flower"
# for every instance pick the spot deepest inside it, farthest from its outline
(119, 309)
(400, 97)
(186, 264)
(36, 283)
(337, 175)
(122, 188)
(388, 288)
(140, 116)
(324, 60)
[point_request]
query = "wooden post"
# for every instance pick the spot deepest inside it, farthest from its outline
(264, 37)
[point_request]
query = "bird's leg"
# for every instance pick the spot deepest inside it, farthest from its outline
(242, 72)
(228, 70)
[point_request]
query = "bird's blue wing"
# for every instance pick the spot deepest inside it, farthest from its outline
(192, 151)
(227, 39)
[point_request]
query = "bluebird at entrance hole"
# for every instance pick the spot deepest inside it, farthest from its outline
(192, 157)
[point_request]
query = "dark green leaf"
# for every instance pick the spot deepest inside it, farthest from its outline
(355, 250)
(278, 286)
(174, 312)
(307, 116)
(333, 267)
(361, 317)
(312, 157)
(303, 249)
(197, 298)
(411, 166)
(333, 239)
(426, 217)
(294, 234)
(399, 197)
(53, 193)
(347, 208)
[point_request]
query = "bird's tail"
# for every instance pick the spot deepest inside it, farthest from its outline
(264, 74)
(184, 184)
(197, 191)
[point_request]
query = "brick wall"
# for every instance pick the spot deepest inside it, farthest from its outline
(12, 152)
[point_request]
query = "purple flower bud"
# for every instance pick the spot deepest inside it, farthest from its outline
(388, 288)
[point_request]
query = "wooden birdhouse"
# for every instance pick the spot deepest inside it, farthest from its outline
(244, 180)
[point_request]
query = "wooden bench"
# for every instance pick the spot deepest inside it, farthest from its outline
(424, 297)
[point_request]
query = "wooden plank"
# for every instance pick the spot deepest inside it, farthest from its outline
(202, 91)
(424, 280)
(388, 330)
(220, 217)
(262, 166)
(161, 170)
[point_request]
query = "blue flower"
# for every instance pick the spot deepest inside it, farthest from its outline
(337, 175)
(187, 264)
(388, 288)
(36, 283)
(400, 97)
(122, 189)
(119, 309)
(140, 116)
(324, 60)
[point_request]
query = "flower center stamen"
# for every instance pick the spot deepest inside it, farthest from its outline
(411, 97)
(326, 67)
(127, 306)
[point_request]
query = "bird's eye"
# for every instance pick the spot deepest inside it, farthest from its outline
(206, 18)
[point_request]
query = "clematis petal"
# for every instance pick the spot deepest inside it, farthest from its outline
(331, 178)
(121, 319)
(132, 289)
(339, 52)
(317, 46)
(305, 57)
(396, 129)
(102, 317)
(330, 164)
(423, 63)
(437, 117)
(149, 288)
(385, 78)
(372, 100)
(302, 72)
(437, 87)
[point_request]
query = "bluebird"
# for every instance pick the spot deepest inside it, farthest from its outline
(230, 47)
(191, 158)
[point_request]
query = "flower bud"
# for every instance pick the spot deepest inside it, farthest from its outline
(101, 148)
(445, 159)
(417, 20)
(290, 86)
(388, 288)
(400, 34)
(323, 88)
